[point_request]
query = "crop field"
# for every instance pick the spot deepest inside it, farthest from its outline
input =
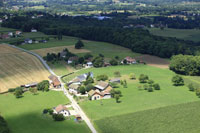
(135, 101)
(186, 34)
(25, 115)
(18, 68)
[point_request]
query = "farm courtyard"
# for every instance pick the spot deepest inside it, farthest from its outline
(18, 68)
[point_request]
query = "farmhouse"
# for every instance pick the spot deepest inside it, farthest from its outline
(101, 85)
(10, 34)
(97, 95)
(72, 59)
(129, 60)
(79, 79)
(34, 84)
(5, 36)
(18, 32)
(73, 88)
(54, 81)
(115, 80)
(28, 41)
(33, 30)
(89, 64)
(61, 109)
(63, 54)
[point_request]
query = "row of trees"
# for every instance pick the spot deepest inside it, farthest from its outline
(42, 86)
(185, 64)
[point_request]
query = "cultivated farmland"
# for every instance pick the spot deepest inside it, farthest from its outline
(18, 68)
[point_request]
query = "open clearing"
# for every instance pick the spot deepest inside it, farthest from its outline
(111, 115)
(18, 68)
(154, 61)
(24, 115)
(43, 52)
(186, 34)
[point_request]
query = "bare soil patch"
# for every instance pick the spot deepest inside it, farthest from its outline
(154, 61)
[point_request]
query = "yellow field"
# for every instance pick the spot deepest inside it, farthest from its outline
(43, 52)
(18, 68)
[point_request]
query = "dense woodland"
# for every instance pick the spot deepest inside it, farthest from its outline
(186, 64)
(109, 30)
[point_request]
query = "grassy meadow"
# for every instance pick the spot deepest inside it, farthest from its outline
(186, 34)
(135, 100)
(24, 115)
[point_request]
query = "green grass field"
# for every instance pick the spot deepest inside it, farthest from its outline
(182, 118)
(66, 41)
(135, 100)
(186, 34)
(96, 48)
(24, 115)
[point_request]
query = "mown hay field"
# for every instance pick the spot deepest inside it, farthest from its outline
(19, 68)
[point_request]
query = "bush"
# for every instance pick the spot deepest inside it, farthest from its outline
(88, 81)
(58, 117)
(143, 78)
(177, 80)
(82, 90)
(117, 74)
(198, 92)
(87, 56)
(156, 86)
(150, 81)
(79, 44)
(145, 87)
(114, 85)
(150, 88)
(113, 62)
(191, 87)
(98, 62)
(125, 84)
(50, 112)
(11, 90)
(18, 92)
(132, 76)
(45, 111)
(43, 86)
(102, 77)
(89, 87)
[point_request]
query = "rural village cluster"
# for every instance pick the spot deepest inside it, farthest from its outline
(83, 86)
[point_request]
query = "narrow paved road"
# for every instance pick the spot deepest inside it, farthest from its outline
(74, 103)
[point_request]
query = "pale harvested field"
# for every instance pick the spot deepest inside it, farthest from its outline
(18, 68)
(43, 52)
(154, 61)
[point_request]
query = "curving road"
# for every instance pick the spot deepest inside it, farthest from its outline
(74, 103)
